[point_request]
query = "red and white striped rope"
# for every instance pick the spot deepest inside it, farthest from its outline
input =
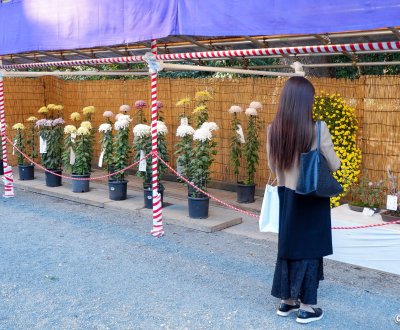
(8, 175)
(158, 228)
(353, 47)
(69, 177)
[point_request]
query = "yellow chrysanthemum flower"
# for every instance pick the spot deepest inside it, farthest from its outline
(86, 124)
(43, 110)
(69, 129)
(18, 126)
(341, 122)
(88, 110)
(200, 108)
(51, 106)
(58, 107)
(75, 116)
(202, 96)
(83, 131)
(183, 102)
(32, 119)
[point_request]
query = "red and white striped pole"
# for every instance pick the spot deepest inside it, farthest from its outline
(158, 228)
(8, 174)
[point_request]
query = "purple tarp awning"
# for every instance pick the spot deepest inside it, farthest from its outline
(30, 25)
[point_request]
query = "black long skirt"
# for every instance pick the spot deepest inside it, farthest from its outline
(298, 279)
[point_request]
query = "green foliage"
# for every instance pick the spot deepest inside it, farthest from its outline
(19, 140)
(81, 149)
(143, 143)
(121, 152)
(52, 159)
(367, 193)
(235, 151)
(183, 150)
(31, 141)
(201, 158)
(107, 147)
(82, 155)
(251, 149)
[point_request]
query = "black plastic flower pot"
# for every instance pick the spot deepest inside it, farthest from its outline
(148, 196)
(245, 192)
(117, 190)
(1, 167)
(80, 186)
(53, 180)
(26, 172)
(198, 207)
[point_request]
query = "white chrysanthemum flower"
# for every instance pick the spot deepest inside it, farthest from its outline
(108, 114)
(202, 134)
(211, 126)
(124, 108)
(161, 128)
(106, 127)
(118, 115)
(86, 124)
(141, 130)
(69, 129)
(184, 130)
(255, 105)
(82, 131)
(124, 117)
(251, 112)
(121, 124)
(235, 109)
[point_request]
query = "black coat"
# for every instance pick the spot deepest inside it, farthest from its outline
(304, 226)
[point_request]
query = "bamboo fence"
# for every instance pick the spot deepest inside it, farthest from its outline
(376, 100)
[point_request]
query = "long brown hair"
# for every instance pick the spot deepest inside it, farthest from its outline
(292, 130)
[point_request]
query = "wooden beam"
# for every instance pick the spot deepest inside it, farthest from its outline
(395, 31)
(254, 41)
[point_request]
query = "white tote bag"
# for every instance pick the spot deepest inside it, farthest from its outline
(269, 216)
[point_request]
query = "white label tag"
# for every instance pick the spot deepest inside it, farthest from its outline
(368, 212)
(184, 121)
(143, 163)
(43, 145)
(15, 142)
(101, 158)
(71, 156)
(239, 131)
(73, 137)
(391, 202)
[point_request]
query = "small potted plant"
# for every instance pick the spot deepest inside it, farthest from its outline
(51, 142)
(201, 159)
(394, 213)
(25, 170)
(367, 194)
(76, 156)
(246, 189)
(106, 131)
(118, 187)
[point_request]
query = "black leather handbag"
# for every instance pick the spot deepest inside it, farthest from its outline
(315, 177)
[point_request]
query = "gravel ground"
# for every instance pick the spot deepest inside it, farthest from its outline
(71, 266)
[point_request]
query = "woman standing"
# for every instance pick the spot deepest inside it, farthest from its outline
(304, 221)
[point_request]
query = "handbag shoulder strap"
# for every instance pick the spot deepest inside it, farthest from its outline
(318, 134)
